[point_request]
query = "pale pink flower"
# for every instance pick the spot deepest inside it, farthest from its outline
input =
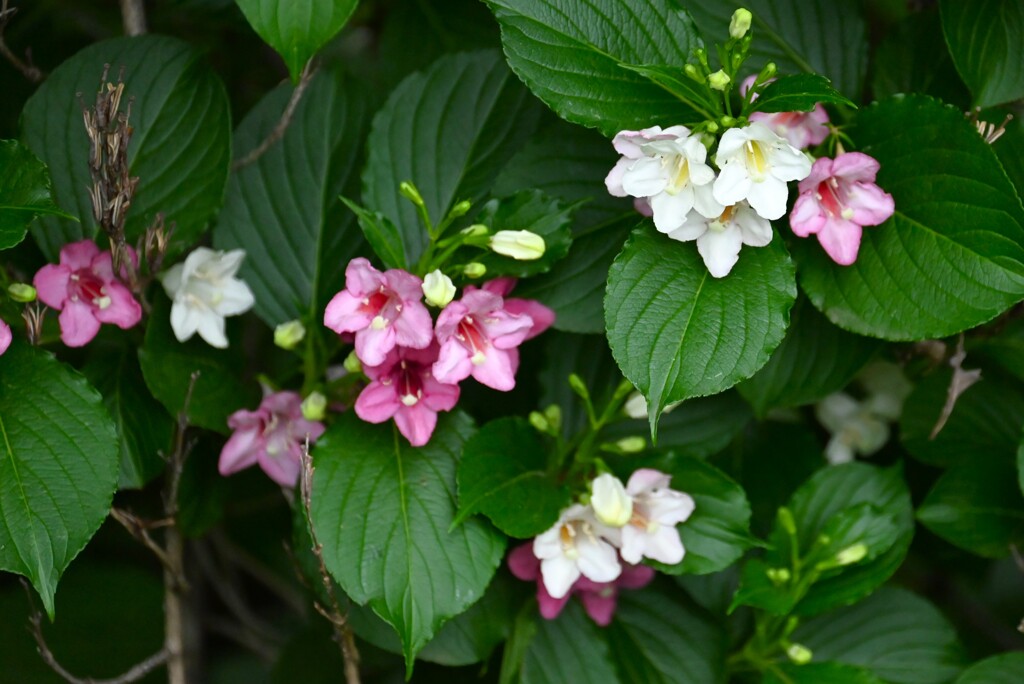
(85, 290)
(271, 436)
(382, 309)
(5, 336)
(836, 200)
(578, 545)
(800, 129)
(543, 317)
(478, 337)
(598, 598)
(651, 531)
(404, 388)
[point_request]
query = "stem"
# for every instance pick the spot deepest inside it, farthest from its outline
(27, 69)
(282, 125)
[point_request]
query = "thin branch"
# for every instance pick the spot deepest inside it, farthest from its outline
(26, 67)
(282, 125)
(133, 15)
(139, 529)
(960, 383)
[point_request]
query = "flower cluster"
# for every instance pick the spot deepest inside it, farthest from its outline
(594, 548)
(414, 364)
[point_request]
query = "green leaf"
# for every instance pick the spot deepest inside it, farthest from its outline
(977, 506)
(143, 426)
(168, 365)
(758, 591)
(655, 639)
(24, 192)
(984, 39)
(686, 90)
(382, 235)
(529, 210)
(181, 142)
(676, 332)
(897, 635)
(569, 648)
(863, 524)
(587, 356)
(284, 209)
(1006, 348)
(810, 36)
(504, 475)
(952, 256)
(571, 55)
(297, 29)
(58, 466)
(819, 673)
(1007, 668)
(383, 511)
(815, 359)
(449, 130)
(799, 93)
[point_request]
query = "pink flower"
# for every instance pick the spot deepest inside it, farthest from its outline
(543, 317)
(478, 337)
(598, 598)
(404, 388)
(836, 200)
(85, 290)
(272, 436)
(382, 309)
(5, 336)
(801, 129)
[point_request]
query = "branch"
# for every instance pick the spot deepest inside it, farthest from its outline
(139, 529)
(960, 383)
(286, 118)
(133, 15)
(27, 68)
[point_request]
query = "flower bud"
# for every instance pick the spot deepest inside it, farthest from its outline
(631, 445)
(553, 414)
(636, 406)
(778, 575)
(768, 72)
(579, 387)
(459, 210)
(539, 422)
(438, 289)
(799, 654)
(727, 121)
(693, 73)
(611, 504)
(521, 245)
(740, 23)
(474, 270)
(719, 80)
(852, 554)
(22, 292)
(314, 407)
(352, 363)
(288, 335)
(411, 193)
(786, 521)
(475, 230)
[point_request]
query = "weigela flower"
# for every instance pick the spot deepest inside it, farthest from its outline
(719, 240)
(404, 388)
(543, 317)
(6, 337)
(204, 290)
(85, 290)
(651, 531)
(438, 289)
(272, 436)
(755, 166)
(382, 309)
(478, 337)
(612, 505)
(578, 545)
(598, 598)
(837, 200)
(854, 427)
(518, 244)
(668, 167)
(800, 129)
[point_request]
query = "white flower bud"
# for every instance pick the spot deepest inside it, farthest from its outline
(438, 289)
(521, 245)
(740, 23)
(631, 445)
(288, 335)
(314, 407)
(611, 504)
(719, 80)
(852, 554)
(799, 654)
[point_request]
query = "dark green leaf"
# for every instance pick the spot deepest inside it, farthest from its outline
(759, 591)
(569, 648)
(383, 511)
(587, 356)
(180, 148)
(984, 37)
(536, 212)
(449, 130)
(284, 208)
(58, 466)
(952, 256)
(798, 93)
(570, 53)
(24, 192)
(673, 80)
(676, 332)
(819, 673)
(504, 475)
(909, 60)
(1007, 668)
(382, 235)
(297, 29)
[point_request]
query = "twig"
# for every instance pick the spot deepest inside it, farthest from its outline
(26, 67)
(961, 381)
(282, 125)
(133, 15)
(139, 529)
(134, 674)
(337, 617)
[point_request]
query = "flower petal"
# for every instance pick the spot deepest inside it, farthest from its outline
(51, 283)
(377, 403)
(416, 423)
(76, 255)
(78, 324)
(123, 311)
(720, 250)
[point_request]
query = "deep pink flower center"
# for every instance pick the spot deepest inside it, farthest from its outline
(789, 119)
(409, 382)
(829, 195)
(472, 337)
(86, 286)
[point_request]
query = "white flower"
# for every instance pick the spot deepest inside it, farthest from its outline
(887, 388)
(438, 289)
(204, 290)
(855, 428)
(669, 169)
(719, 240)
(521, 245)
(577, 545)
(651, 531)
(756, 164)
(612, 506)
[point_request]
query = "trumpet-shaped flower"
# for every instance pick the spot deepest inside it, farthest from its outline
(612, 505)
(543, 317)
(837, 200)
(6, 337)
(756, 164)
(578, 545)
(719, 240)
(404, 388)
(84, 288)
(669, 169)
(204, 290)
(271, 436)
(651, 531)
(800, 129)
(382, 309)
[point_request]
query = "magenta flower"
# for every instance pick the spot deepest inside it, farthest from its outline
(5, 336)
(85, 290)
(837, 200)
(478, 337)
(543, 317)
(598, 598)
(271, 436)
(404, 388)
(382, 309)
